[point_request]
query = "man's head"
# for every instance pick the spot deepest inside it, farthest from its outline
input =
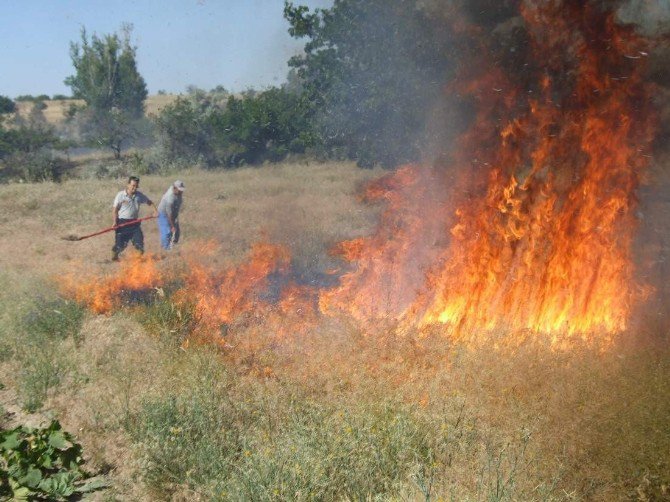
(178, 187)
(133, 183)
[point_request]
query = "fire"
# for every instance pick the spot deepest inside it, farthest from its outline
(390, 263)
(542, 233)
(527, 229)
(220, 297)
(103, 294)
(547, 246)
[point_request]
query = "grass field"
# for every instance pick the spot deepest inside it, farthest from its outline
(56, 110)
(337, 412)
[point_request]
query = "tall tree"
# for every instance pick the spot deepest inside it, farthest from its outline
(372, 70)
(107, 79)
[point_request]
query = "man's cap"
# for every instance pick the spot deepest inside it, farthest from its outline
(179, 185)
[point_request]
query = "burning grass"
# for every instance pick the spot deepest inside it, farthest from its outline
(477, 345)
(524, 419)
(350, 411)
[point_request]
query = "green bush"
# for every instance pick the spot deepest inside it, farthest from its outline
(7, 105)
(42, 464)
(252, 129)
(36, 167)
(30, 97)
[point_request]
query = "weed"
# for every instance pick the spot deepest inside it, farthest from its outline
(54, 319)
(42, 368)
(169, 320)
(274, 444)
(42, 464)
(42, 351)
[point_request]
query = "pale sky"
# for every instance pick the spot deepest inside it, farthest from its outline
(234, 43)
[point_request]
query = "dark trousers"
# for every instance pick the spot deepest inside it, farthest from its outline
(132, 233)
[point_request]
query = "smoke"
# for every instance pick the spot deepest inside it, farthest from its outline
(651, 17)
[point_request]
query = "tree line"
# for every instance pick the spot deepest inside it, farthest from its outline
(361, 90)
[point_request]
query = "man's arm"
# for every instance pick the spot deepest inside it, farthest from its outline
(155, 208)
(149, 203)
(171, 221)
(116, 205)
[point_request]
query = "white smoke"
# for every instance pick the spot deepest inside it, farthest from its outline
(652, 17)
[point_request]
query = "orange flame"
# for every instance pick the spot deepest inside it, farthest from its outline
(529, 229)
(103, 294)
(221, 297)
(542, 234)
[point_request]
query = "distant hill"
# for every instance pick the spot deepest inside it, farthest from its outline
(56, 110)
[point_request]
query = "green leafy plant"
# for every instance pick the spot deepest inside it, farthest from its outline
(42, 463)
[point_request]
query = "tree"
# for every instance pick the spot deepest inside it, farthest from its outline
(107, 79)
(7, 105)
(262, 126)
(250, 129)
(182, 129)
(372, 70)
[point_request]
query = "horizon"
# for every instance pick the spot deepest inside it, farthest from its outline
(179, 44)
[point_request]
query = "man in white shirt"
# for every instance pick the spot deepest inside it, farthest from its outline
(126, 208)
(168, 214)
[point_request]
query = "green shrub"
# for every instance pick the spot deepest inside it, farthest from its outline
(42, 464)
(42, 166)
(7, 105)
(30, 97)
(252, 129)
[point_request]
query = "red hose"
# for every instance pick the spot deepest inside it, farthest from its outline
(125, 224)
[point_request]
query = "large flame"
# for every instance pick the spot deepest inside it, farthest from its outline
(528, 228)
(542, 234)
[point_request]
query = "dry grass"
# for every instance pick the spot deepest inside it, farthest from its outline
(340, 412)
(56, 110)
(308, 205)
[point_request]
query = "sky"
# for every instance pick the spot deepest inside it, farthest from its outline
(234, 43)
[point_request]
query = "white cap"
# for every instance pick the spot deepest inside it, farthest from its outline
(179, 185)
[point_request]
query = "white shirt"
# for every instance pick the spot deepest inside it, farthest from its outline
(130, 205)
